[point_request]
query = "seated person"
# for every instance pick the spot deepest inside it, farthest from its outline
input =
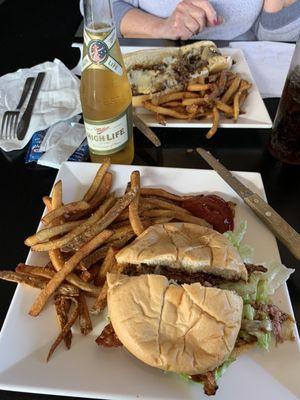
(277, 20)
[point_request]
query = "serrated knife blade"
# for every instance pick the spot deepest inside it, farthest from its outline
(281, 229)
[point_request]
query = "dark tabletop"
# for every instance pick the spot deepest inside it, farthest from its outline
(48, 35)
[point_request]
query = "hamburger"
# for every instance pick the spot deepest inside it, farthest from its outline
(187, 303)
(157, 71)
(184, 252)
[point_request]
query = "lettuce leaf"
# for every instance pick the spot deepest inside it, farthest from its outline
(185, 377)
(248, 312)
(256, 325)
(246, 252)
(264, 340)
(237, 236)
(247, 290)
(260, 285)
(276, 275)
(259, 328)
(245, 335)
(262, 293)
(218, 372)
(222, 368)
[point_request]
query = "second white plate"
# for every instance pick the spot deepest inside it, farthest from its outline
(256, 114)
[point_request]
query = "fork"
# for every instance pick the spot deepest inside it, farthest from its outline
(11, 118)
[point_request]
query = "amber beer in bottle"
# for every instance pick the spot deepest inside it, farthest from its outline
(105, 91)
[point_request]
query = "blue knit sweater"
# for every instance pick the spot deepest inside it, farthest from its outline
(243, 20)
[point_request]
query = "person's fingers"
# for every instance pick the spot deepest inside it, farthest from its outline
(195, 23)
(181, 31)
(210, 12)
(198, 14)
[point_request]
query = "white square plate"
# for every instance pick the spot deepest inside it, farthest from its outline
(256, 114)
(93, 372)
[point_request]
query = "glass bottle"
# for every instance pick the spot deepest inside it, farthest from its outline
(284, 141)
(105, 91)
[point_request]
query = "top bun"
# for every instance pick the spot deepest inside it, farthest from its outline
(188, 329)
(205, 48)
(185, 246)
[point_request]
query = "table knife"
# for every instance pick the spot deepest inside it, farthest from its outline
(281, 229)
(140, 124)
(25, 120)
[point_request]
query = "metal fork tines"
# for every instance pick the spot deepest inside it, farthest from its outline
(11, 118)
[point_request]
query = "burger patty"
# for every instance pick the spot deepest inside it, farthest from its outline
(181, 276)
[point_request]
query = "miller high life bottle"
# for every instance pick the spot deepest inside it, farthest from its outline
(105, 91)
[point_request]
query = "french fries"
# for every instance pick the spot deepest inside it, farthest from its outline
(48, 202)
(192, 101)
(103, 223)
(228, 110)
(84, 316)
(138, 101)
(65, 209)
(101, 301)
(134, 218)
(66, 329)
(231, 90)
(179, 216)
(222, 81)
(214, 128)
(97, 180)
(106, 266)
(164, 194)
(236, 101)
(100, 253)
(157, 100)
(47, 233)
(76, 232)
(37, 282)
(165, 111)
(68, 267)
(82, 251)
(62, 307)
(97, 199)
(197, 87)
(35, 271)
(58, 262)
(158, 203)
(205, 97)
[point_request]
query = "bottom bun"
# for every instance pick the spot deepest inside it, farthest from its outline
(187, 329)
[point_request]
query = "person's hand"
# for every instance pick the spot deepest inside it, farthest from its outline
(189, 18)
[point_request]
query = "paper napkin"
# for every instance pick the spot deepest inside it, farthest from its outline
(58, 98)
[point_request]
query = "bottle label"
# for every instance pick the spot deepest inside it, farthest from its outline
(109, 136)
(100, 51)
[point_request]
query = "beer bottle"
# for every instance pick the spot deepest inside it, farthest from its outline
(105, 91)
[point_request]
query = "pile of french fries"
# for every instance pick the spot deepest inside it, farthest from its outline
(224, 92)
(82, 238)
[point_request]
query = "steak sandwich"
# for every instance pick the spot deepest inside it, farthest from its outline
(187, 303)
(157, 71)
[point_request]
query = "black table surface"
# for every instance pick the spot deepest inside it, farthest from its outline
(24, 185)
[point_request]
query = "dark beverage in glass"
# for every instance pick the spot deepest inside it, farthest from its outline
(285, 137)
